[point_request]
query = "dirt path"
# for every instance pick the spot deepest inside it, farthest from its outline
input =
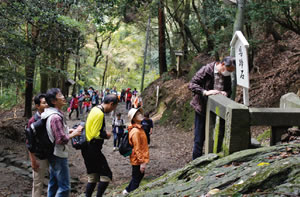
(170, 149)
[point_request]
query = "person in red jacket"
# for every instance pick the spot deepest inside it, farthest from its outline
(128, 98)
(74, 106)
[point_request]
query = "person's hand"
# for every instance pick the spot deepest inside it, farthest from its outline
(143, 167)
(211, 92)
(223, 93)
(108, 135)
(35, 165)
(75, 132)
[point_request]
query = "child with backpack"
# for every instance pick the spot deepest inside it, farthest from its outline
(140, 151)
(74, 106)
(118, 130)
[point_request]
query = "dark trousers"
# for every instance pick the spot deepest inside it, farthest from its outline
(77, 113)
(137, 177)
(148, 136)
(199, 135)
(128, 105)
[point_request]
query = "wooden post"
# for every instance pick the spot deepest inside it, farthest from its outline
(237, 130)
(157, 95)
(178, 54)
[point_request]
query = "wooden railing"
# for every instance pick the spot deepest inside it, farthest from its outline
(228, 123)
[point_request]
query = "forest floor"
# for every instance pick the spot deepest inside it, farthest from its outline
(169, 149)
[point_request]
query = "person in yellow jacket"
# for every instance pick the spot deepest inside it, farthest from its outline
(140, 151)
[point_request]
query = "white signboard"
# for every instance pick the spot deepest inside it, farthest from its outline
(240, 45)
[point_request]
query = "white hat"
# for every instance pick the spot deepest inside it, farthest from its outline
(132, 113)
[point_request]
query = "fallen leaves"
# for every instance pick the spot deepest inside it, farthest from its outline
(263, 164)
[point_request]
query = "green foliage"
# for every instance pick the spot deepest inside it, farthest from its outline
(8, 99)
(265, 135)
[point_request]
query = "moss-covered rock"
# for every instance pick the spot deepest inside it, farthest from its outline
(268, 171)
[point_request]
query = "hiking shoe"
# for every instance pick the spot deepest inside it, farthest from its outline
(125, 192)
(115, 148)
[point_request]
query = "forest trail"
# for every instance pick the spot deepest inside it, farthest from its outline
(170, 149)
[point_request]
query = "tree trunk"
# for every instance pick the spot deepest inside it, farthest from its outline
(29, 73)
(77, 64)
(162, 39)
(53, 80)
(145, 53)
(44, 74)
(238, 26)
(187, 11)
(106, 65)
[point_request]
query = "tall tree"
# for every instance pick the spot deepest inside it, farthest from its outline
(162, 40)
(238, 26)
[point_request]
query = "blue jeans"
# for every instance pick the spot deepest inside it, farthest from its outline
(199, 135)
(59, 180)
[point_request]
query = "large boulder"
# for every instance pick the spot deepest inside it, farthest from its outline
(267, 171)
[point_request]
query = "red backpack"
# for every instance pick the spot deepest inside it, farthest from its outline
(75, 103)
(129, 95)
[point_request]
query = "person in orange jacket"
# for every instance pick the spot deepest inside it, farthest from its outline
(140, 151)
(138, 102)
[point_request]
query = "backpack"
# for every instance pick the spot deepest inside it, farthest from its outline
(129, 95)
(79, 142)
(125, 148)
(37, 139)
(75, 103)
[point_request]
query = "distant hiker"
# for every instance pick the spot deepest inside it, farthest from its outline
(128, 98)
(74, 106)
(134, 92)
(80, 101)
(147, 125)
(59, 134)
(140, 152)
(96, 165)
(39, 166)
(87, 102)
(132, 100)
(95, 99)
(114, 91)
(90, 91)
(213, 78)
(118, 130)
(122, 97)
(138, 102)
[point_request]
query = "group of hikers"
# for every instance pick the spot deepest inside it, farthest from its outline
(213, 78)
(49, 108)
(88, 98)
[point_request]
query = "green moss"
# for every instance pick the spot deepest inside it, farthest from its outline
(265, 135)
(187, 116)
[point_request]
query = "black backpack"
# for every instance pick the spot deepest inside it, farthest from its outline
(79, 142)
(125, 148)
(37, 139)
